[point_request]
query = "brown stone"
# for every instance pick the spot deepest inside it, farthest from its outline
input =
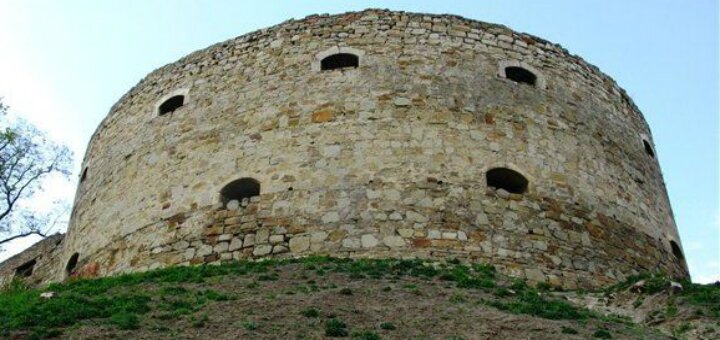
(421, 243)
(322, 116)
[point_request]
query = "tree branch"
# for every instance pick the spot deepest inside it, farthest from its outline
(25, 234)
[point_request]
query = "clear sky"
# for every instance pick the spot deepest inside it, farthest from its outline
(64, 63)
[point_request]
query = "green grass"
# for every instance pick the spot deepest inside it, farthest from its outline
(336, 328)
(530, 301)
(602, 334)
(568, 330)
(365, 335)
(310, 313)
(705, 296)
(173, 292)
(125, 320)
(387, 326)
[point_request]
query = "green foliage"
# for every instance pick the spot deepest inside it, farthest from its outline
(310, 313)
(530, 301)
(125, 320)
(250, 325)
(602, 333)
(706, 296)
(682, 329)
(201, 321)
(387, 326)
(366, 335)
(568, 330)
(120, 299)
(336, 328)
(457, 298)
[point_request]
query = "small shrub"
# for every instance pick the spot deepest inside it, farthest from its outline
(502, 292)
(568, 330)
(310, 313)
(457, 298)
(602, 334)
(250, 325)
(387, 326)
(125, 320)
(346, 291)
(543, 286)
(336, 328)
(200, 323)
(682, 329)
(366, 335)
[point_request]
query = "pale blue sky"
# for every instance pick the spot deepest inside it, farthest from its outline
(64, 63)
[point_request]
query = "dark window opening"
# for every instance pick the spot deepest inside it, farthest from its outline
(340, 60)
(84, 175)
(676, 250)
(26, 269)
(520, 75)
(649, 149)
(171, 104)
(72, 264)
(239, 189)
(510, 180)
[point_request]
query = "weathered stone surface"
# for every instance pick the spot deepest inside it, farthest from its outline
(235, 244)
(368, 241)
(399, 144)
(394, 241)
(299, 244)
(275, 239)
(262, 249)
(249, 240)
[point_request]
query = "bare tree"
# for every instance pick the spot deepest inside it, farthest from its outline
(26, 158)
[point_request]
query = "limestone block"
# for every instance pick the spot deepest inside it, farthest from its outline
(233, 205)
(351, 243)
(318, 236)
(221, 247)
(434, 234)
(299, 244)
(415, 217)
(331, 217)
(180, 245)
(262, 236)
(406, 233)
(204, 250)
(235, 244)
(189, 253)
(262, 249)
(368, 241)
(249, 240)
(279, 249)
(394, 241)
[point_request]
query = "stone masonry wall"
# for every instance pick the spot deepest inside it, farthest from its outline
(43, 258)
(387, 159)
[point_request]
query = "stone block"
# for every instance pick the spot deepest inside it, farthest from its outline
(299, 244)
(235, 244)
(262, 250)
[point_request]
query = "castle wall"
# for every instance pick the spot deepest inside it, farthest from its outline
(387, 159)
(36, 265)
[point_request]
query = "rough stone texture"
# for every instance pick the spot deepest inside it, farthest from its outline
(44, 253)
(359, 157)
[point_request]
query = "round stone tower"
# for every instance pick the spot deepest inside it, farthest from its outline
(377, 134)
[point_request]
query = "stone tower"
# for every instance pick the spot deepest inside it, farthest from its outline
(377, 134)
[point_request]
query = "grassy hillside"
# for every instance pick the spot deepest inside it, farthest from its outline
(311, 298)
